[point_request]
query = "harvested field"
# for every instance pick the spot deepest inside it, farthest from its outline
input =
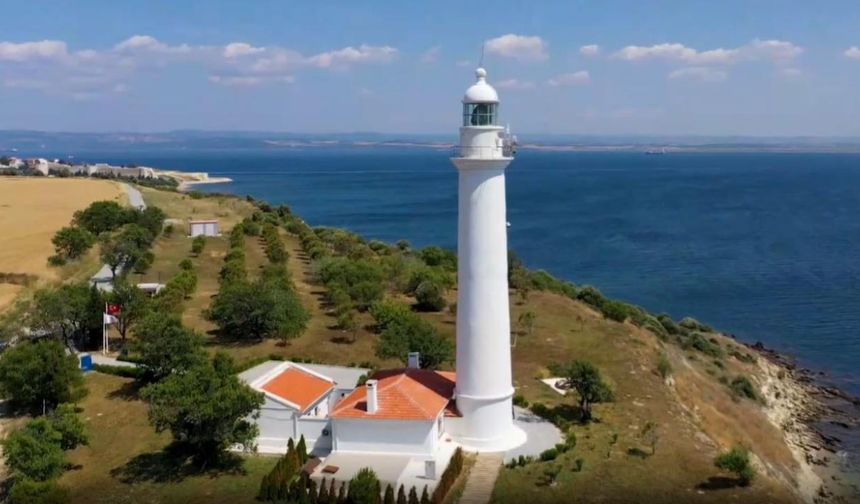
(32, 209)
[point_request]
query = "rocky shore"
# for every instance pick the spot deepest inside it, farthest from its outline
(821, 424)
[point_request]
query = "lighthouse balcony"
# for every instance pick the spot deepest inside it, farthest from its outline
(483, 152)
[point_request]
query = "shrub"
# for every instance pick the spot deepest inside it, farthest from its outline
(412, 334)
(198, 244)
(743, 387)
(123, 371)
(449, 476)
(26, 491)
(68, 424)
(168, 230)
(521, 401)
(614, 310)
(664, 367)
(694, 325)
(364, 487)
(737, 461)
(186, 265)
(56, 260)
(387, 313)
(548, 455)
(34, 451)
(429, 295)
(578, 465)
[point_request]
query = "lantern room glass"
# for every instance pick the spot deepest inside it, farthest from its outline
(480, 114)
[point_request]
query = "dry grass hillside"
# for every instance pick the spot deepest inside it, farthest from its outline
(32, 209)
(697, 414)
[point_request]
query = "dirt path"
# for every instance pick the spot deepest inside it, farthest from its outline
(482, 479)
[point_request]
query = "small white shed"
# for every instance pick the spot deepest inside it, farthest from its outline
(203, 228)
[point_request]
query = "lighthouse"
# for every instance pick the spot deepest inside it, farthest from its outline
(484, 389)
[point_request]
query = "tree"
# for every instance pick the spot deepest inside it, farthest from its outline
(40, 375)
(348, 322)
(165, 346)
(34, 451)
(585, 379)
(364, 487)
(206, 409)
(430, 296)
(526, 321)
(197, 245)
(437, 256)
(152, 219)
(133, 304)
(412, 334)
(425, 496)
(737, 460)
(389, 495)
(102, 216)
(302, 449)
(401, 495)
(72, 242)
(64, 312)
(68, 424)
(137, 235)
(267, 307)
(413, 496)
(119, 254)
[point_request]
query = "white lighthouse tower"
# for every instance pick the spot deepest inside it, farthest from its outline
(484, 389)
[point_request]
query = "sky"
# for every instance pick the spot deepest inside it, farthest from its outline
(602, 67)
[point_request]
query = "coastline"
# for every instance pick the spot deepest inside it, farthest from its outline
(187, 180)
(815, 417)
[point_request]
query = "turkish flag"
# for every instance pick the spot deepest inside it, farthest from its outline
(113, 309)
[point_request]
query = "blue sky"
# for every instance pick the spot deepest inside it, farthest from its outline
(575, 67)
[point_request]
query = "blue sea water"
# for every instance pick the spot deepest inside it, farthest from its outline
(761, 245)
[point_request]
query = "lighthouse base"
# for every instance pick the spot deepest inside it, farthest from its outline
(486, 424)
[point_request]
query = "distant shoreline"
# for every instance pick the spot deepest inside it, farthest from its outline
(185, 185)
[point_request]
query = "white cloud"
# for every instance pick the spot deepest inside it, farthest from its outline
(704, 74)
(515, 84)
(570, 79)
(249, 80)
(519, 47)
(239, 49)
(852, 52)
(44, 49)
(430, 55)
(91, 73)
(590, 50)
(776, 51)
(349, 55)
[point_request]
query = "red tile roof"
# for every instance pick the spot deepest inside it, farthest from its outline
(298, 387)
(403, 394)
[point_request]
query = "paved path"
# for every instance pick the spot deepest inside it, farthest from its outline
(135, 199)
(104, 360)
(482, 479)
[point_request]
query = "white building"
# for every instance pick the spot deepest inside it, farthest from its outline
(203, 228)
(484, 386)
(298, 399)
(398, 411)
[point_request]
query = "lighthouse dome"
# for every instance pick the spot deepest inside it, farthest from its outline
(481, 92)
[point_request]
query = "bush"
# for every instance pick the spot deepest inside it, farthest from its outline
(578, 465)
(168, 230)
(186, 265)
(429, 295)
(614, 310)
(737, 461)
(387, 313)
(198, 244)
(26, 491)
(521, 401)
(742, 387)
(694, 325)
(123, 371)
(548, 455)
(664, 367)
(364, 487)
(34, 452)
(56, 260)
(68, 424)
(412, 334)
(449, 476)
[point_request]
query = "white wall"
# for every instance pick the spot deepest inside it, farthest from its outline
(409, 437)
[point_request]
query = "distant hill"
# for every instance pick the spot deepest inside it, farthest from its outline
(31, 142)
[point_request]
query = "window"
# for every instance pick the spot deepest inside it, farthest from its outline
(480, 114)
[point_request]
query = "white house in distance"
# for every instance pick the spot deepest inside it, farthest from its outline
(203, 228)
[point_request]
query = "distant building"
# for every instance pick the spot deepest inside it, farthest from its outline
(40, 165)
(203, 228)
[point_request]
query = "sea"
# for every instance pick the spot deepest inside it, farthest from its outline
(763, 246)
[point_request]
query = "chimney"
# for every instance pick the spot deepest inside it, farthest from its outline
(372, 397)
(414, 360)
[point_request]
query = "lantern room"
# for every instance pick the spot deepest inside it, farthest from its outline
(480, 103)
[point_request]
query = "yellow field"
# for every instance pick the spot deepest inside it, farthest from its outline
(31, 211)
